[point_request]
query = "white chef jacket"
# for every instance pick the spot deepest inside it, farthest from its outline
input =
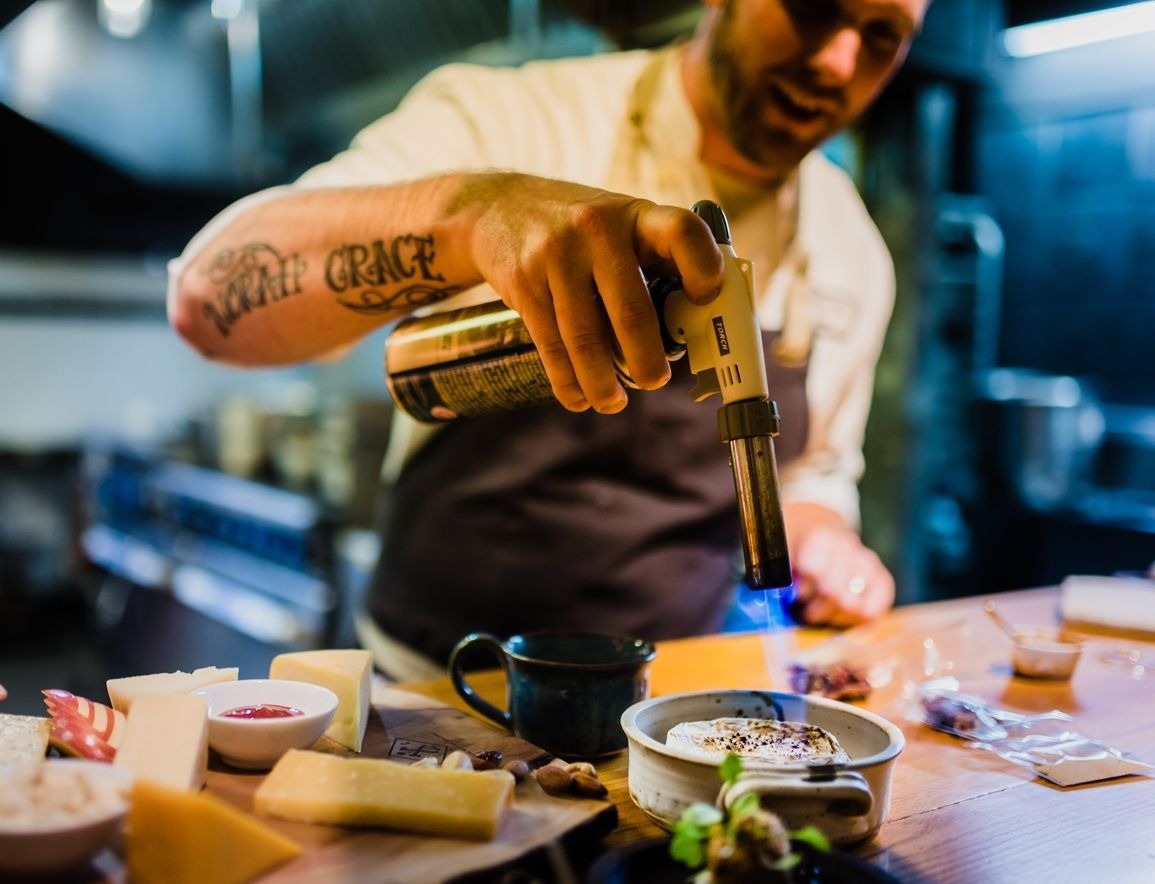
(569, 119)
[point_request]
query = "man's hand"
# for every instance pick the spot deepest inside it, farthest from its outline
(840, 581)
(573, 262)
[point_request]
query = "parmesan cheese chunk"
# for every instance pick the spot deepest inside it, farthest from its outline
(23, 738)
(313, 787)
(124, 691)
(177, 838)
(347, 674)
(166, 740)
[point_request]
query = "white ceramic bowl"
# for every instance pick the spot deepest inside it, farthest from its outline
(846, 801)
(51, 845)
(257, 743)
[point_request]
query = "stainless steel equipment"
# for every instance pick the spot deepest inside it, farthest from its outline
(193, 565)
(1051, 430)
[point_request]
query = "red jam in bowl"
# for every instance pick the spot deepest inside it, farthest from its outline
(262, 710)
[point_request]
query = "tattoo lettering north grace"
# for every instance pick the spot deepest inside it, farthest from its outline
(252, 276)
(375, 278)
(358, 273)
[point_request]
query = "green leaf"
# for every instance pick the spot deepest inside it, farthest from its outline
(787, 862)
(744, 804)
(691, 832)
(687, 850)
(701, 815)
(729, 769)
(812, 836)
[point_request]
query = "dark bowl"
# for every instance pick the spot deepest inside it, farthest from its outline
(649, 862)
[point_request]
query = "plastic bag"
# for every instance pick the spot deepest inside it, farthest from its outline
(1045, 744)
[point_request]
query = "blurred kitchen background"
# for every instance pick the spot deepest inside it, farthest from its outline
(158, 512)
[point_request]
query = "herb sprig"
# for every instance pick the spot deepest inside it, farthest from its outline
(725, 845)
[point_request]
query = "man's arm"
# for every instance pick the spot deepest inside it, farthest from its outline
(307, 271)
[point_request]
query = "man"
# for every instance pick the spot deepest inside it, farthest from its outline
(592, 515)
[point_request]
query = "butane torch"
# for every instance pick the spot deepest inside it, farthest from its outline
(480, 359)
(723, 340)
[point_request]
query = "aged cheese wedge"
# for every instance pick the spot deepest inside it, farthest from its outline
(23, 737)
(166, 740)
(313, 787)
(177, 838)
(123, 691)
(346, 673)
(779, 742)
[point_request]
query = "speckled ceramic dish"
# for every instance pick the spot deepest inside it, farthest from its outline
(77, 813)
(848, 801)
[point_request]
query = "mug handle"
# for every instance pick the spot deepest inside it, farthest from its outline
(457, 675)
(847, 791)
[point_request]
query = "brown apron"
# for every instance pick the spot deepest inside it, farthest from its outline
(544, 519)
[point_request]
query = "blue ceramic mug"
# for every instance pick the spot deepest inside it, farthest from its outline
(565, 692)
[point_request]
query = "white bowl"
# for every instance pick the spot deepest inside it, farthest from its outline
(1045, 652)
(257, 743)
(50, 845)
(847, 801)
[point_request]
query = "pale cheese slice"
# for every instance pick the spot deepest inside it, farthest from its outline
(177, 838)
(166, 740)
(347, 673)
(23, 738)
(314, 787)
(124, 691)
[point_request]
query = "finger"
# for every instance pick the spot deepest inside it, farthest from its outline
(586, 334)
(631, 313)
(847, 578)
(681, 237)
(880, 598)
(819, 609)
(804, 589)
(836, 563)
(868, 591)
(843, 617)
(814, 556)
(547, 338)
(870, 588)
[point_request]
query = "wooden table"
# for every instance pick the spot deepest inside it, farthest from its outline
(957, 814)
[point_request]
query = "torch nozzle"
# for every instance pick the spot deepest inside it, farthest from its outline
(749, 428)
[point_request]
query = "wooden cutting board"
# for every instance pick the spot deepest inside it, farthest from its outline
(404, 727)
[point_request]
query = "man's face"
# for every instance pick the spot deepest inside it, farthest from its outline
(788, 74)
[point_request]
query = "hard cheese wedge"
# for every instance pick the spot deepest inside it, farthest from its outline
(124, 691)
(313, 787)
(166, 740)
(174, 837)
(345, 673)
(23, 737)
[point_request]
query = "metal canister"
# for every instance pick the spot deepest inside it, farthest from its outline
(479, 360)
(469, 361)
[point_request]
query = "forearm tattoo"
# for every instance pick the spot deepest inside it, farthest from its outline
(362, 274)
(369, 278)
(252, 276)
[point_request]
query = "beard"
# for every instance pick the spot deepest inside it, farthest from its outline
(742, 103)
